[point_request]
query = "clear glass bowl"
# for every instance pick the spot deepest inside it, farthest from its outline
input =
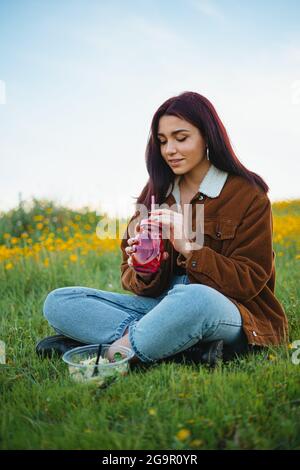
(82, 367)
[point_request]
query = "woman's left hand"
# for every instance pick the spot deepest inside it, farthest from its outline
(173, 228)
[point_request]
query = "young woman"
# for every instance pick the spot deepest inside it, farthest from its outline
(215, 294)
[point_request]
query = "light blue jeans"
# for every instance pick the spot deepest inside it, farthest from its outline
(158, 327)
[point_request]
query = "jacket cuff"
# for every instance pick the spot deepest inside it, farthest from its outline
(131, 280)
(146, 281)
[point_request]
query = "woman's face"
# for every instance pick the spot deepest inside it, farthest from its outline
(182, 150)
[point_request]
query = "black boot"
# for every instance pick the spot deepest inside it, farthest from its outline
(200, 353)
(57, 344)
(212, 353)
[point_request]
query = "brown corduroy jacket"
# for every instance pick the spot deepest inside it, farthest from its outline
(237, 258)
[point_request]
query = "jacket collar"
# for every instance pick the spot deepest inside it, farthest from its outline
(211, 185)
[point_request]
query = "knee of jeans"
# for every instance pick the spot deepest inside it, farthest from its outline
(203, 300)
(50, 307)
(52, 304)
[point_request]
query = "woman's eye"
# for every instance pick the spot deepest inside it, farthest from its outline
(178, 140)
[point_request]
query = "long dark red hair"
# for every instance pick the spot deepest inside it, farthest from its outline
(200, 112)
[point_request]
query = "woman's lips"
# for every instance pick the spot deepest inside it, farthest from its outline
(176, 162)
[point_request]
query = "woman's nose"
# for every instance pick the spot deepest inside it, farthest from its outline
(170, 149)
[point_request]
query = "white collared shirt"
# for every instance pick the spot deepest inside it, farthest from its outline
(211, 185)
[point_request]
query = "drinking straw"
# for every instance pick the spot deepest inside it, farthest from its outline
(95, 371)
(152, 202)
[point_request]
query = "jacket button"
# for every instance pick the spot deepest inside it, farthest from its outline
(201, 197)
(218, 234)
(194, 264)
(254, 333)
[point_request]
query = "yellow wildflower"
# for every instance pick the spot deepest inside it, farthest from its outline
(39, 226)
(183, 434)
(196, 443)
(7, 236)
(183, 395)
(9, 266)
(152, 412)
(73, 258)
(271, 357)
(14, 240)
(46, 262)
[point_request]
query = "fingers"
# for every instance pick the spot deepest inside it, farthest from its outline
(165, 256)
(132, 241)
(130, 249)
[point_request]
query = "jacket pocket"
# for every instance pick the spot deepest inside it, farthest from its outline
(218, 231)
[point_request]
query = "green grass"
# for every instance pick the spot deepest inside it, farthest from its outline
(250, 403)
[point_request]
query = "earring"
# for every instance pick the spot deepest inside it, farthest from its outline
(207, 153)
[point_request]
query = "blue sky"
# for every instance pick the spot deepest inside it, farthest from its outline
(84, 78)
